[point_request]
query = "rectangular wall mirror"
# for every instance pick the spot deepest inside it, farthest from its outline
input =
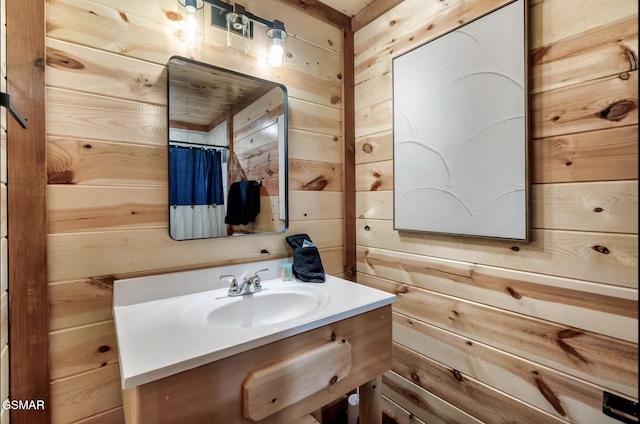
(227, 152)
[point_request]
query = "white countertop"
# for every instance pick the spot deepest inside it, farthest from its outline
(158, 334)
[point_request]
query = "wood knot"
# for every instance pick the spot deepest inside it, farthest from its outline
(514, 293)
(367, 228)
(39, 63)
(87, 146)
(171, 15)
(598, 210)
(333, 336)
(339, 76)
(415, 377)
(58, 59)
(104, 349)
(124, 17)
(333, 380)
(335, 100)
(60, 177)
(329, 42)
(336, 138)
(515, 248)
(367, 148)
(568, 163)
(624, 76)
(264, 252)
(601, 249)
(457, 375)
(618, 110)
(317, 184)
(555, 118)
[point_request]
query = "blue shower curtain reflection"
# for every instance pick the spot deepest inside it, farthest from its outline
(196, 193)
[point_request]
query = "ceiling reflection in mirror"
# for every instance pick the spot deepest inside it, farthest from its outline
(227, 152)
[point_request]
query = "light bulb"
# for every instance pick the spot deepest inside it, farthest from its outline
(276, 52)
(189, 31)
(191, 6)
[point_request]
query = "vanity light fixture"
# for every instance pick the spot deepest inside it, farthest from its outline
(278, 49)
(239, 24)
(192, 26)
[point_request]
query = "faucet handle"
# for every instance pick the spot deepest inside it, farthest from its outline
(255, 280)
(234, 282)
(261, 270)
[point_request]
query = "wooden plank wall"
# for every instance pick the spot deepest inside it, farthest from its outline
(255, 157)
(496, 331)
(107, 162)
(4, 260)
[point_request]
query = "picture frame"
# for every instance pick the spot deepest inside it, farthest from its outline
(461, 130)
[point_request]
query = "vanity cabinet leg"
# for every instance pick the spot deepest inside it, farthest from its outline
(370, 405)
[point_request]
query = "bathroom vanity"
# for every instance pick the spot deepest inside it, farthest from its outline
(189, 353)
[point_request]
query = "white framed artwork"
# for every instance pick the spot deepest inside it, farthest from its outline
(460, 130)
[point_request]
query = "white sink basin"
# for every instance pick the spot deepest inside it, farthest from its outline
(270, 306)
(171, 323)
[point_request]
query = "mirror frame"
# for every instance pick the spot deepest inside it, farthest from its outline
(285, 145)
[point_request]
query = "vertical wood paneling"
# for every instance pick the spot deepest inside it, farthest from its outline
(26, 155)
(4, 276)
(584, 197)
(107, 170)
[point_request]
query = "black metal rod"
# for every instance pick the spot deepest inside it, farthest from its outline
(5, 100)
(188, 144)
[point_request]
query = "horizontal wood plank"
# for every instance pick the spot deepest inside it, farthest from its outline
(374, 148)
(77, 397)
(599, 104)
(82, 349)
(85, 255)
(613, 310)
(90, 162)
(481, 401)
(85, 208)
(576, 352)
(374, 176)
(421, 403)
(113, 416)
(555, 392)
(606, 155)
(595, 206)
(398, 413)
(579, 255)
(599, 52)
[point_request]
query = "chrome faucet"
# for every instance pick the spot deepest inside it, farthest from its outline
(248, 286)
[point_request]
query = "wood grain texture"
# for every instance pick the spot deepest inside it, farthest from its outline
(397, 413)
(465, 392)
(561, 395)
(90, 162)
(374, 176)
(369, 335)
(111, 252)
(597, 206)
(321, 11)
(570, 254)
(349, 159)
(371, 12)
(112, 416)
(422, 403)
(599, 104)
(612, 310)
(80, 396)
(605, 155)
(602, 51)
(29, 366)
(608, 206)
(77, 350)
(576, 352)
(271, 389)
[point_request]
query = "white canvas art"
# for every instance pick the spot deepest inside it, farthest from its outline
(459, 130)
